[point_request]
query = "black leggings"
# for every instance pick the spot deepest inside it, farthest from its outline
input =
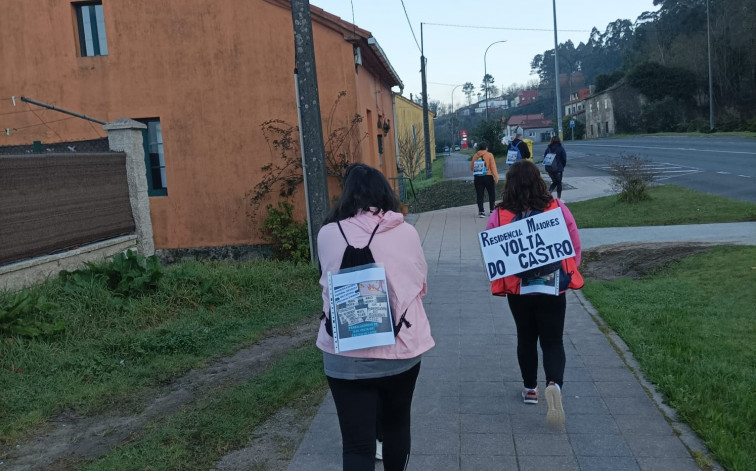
(539, 317)
(357, 407)
(485, 183)
(556, 182)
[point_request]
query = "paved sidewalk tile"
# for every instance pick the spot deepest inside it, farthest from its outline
(467, 412)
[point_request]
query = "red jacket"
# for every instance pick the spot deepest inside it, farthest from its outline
(511, 284)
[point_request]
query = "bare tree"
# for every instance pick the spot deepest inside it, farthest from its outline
(411, 150)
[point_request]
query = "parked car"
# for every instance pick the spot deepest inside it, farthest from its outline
(456, 148)
(446, 149)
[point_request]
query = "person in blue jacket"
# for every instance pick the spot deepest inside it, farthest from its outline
(555, 168)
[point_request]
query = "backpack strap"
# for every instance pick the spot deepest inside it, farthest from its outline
(347, 240)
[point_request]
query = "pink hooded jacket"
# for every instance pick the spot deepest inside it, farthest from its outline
(396, 246)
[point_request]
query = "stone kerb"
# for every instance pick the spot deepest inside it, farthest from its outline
(125, 135)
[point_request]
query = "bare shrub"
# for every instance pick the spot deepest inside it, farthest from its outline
(631, 176)
(411, 151)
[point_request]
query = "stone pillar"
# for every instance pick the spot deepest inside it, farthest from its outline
(125, 135)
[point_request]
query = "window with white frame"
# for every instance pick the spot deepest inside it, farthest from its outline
(91, 26)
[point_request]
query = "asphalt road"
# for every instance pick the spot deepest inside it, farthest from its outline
(723, 166)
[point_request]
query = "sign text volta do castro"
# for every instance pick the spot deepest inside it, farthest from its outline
(528, 243)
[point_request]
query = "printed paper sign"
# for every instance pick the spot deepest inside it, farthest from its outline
(529, 243)
(360, 309)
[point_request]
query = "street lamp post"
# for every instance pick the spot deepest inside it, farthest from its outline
(451, 121)
(485, 73)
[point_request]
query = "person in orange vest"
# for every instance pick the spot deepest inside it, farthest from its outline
(485, 177)
(538, 317)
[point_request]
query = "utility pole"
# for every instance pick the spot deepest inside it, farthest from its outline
(426, 125)
(711, 87)
(556, 72)
(310, 125)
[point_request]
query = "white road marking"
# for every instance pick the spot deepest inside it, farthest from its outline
(669, 148)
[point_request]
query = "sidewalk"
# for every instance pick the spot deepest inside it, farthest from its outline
(467, 412)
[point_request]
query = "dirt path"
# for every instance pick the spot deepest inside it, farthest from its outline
(75, 439)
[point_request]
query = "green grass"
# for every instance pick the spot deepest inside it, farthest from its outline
(668, 205)
(447, 194)
(691, 328)
(115, 347)
(437, 175)
(199, 435)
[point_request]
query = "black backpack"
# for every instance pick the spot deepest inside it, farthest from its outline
(543, 270)
(354, 257)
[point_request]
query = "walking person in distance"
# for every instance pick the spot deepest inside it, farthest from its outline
(485, 177)
(375, 385)
(554, 160)
(538, 317)
(520, 145)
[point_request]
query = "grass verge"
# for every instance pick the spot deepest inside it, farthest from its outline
(668, 205)
(114, 347)
(691, 329)
(199, 435)
(420, 182)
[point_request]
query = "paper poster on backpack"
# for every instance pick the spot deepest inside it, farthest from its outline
(360, 309)
(522, 245)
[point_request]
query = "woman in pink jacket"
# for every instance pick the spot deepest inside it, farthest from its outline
(361, 380)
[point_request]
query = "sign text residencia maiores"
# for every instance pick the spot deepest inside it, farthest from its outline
(525, 244)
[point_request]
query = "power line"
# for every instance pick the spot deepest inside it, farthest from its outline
(509, 29)
(14, 112)
(410, 25)
(42, 124)
(445, 84)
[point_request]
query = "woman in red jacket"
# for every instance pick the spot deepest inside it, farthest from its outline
(537, 316)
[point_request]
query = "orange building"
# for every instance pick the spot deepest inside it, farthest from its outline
(204, 75)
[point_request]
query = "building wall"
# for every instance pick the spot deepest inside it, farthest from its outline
(537, 134)
(408, 114)
(213, 72)
(599, 116)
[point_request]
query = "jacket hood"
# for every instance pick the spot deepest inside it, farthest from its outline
(367, 220)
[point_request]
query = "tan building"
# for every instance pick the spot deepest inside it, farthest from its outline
(204, 75)
(411, 135)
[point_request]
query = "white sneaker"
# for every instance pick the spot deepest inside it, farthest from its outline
(555, 414)
(378, 450)
(481, 215)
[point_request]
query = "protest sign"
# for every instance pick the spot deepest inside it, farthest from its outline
(360, 309)
(529, 243)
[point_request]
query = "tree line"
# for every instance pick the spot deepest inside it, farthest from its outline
(660, 65)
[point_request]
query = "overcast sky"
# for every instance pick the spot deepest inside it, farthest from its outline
(455, 54)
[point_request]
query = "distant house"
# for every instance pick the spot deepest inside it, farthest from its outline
(535, 124)
(526, 97)
(205, 76)
(494, 104)
(599, 115)
(576, 104)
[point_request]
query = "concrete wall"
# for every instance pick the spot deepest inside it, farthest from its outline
(212, 72)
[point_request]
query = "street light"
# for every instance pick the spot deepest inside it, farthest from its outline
(485, 73)
(451, 121)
